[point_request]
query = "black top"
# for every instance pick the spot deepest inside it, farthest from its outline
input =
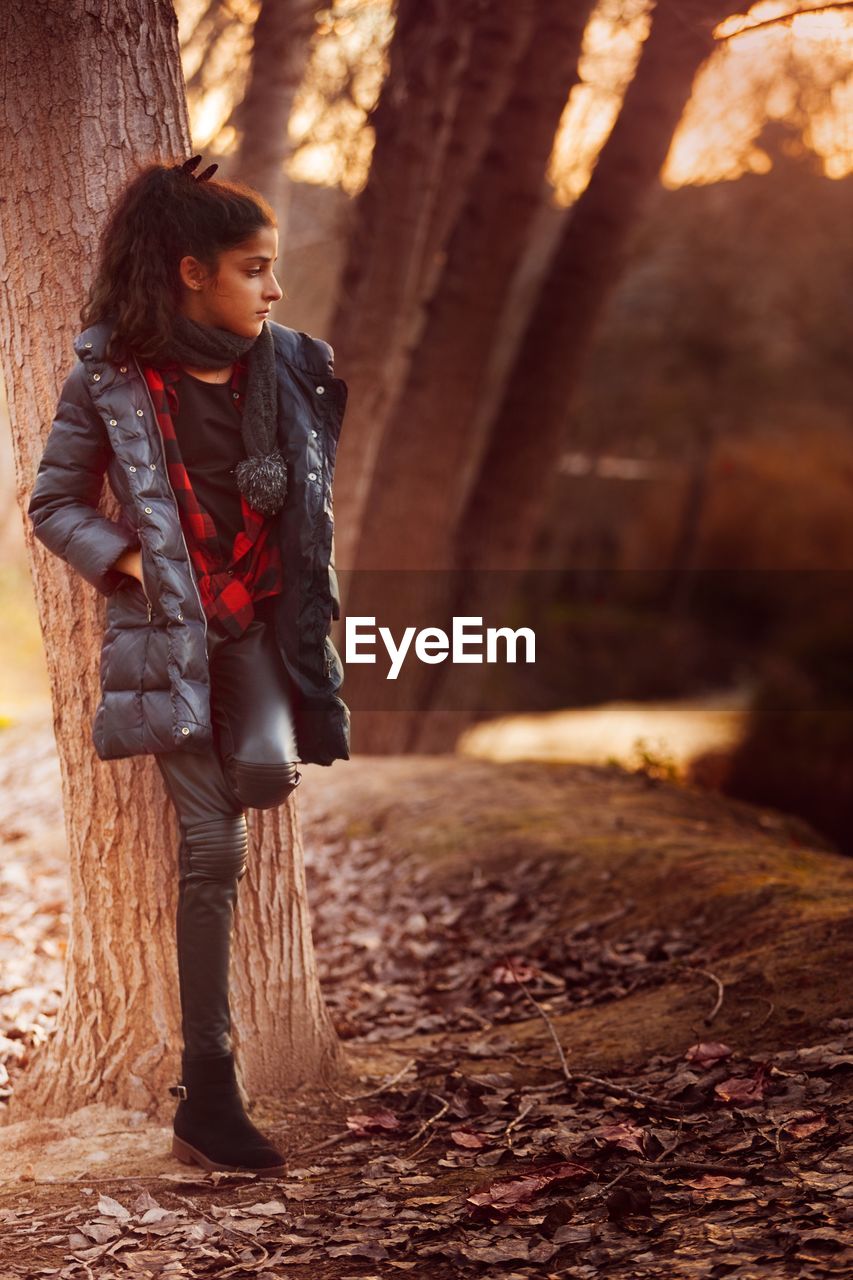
(207, 425)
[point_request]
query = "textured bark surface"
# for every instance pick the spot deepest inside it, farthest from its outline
(86, 94)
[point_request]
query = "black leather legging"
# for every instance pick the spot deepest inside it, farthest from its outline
(252, 765)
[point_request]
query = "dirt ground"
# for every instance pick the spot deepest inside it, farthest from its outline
(588, 968)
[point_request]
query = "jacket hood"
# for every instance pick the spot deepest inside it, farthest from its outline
(296, 347)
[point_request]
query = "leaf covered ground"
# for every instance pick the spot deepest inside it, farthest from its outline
(596, 1022)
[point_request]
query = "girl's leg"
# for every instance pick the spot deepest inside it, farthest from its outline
(251, 765)
(212, 853)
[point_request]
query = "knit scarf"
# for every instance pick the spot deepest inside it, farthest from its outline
(262, 475)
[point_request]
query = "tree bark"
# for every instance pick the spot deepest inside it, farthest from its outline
(77, 88)
(496, 534)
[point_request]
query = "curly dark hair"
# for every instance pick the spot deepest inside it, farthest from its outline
(162, 214)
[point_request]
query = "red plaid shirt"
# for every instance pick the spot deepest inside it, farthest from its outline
(254, 569)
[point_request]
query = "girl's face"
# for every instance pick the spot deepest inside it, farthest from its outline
(243, 290)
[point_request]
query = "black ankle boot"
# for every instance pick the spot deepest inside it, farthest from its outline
(211, 1127)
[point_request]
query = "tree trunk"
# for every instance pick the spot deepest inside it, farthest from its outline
(205, 34)
(501, 520)
(429, 441)
(446, 74)
(76, 88)
(281, 43)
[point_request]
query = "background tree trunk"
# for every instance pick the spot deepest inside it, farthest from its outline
(83, 97)
(429, 439)
(496, 532)
(426, 441)
(281, 43)
(446, 72)
(205, 33)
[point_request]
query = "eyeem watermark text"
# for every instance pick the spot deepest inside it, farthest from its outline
(432, 645)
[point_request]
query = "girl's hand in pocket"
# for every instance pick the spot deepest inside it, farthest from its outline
(130, 562)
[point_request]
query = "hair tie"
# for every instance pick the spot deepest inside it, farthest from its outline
(189, 165)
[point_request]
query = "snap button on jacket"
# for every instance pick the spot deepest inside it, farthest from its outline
(154, 674)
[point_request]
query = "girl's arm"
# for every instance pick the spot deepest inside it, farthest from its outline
(63, 503)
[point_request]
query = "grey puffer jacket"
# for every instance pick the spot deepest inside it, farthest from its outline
(154, 674)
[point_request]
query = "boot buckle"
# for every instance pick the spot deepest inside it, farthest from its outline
(178, 1090)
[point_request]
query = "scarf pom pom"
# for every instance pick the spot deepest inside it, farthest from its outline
(262, 480)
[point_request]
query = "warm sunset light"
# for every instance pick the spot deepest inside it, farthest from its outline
(791, 72)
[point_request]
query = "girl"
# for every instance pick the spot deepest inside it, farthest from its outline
(218, 431)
